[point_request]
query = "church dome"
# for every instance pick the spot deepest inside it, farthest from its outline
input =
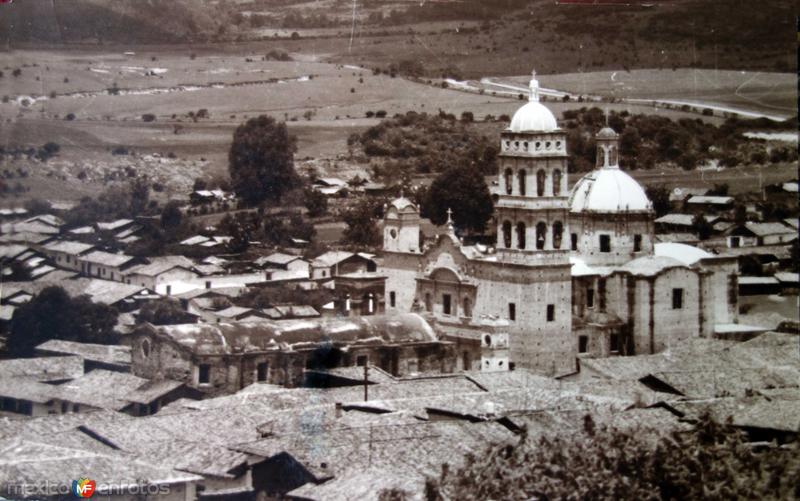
(533, 117)
(608, 190)
(403, 204)
(607, 133)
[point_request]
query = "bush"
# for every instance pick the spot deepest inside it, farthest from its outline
(70, 117)
(148, 117)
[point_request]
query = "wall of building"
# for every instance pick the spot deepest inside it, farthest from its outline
(401, 272)
(621, 228)
(151, 282)
(656, 325)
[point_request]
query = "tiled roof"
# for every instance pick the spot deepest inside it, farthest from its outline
(68, 247)
(111, 354)
(43, 368)
(107, 259)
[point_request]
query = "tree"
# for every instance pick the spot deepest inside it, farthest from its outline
(53, 314)
(316, 202)
(164, 311)
(462, 190)
(711, 461)
(171, 216)
(702, 227)
(659, 195)
(362, 229)
(261, 160)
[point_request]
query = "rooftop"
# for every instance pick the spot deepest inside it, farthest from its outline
(107, 259)
(221, 338)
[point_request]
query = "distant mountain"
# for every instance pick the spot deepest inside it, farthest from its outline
(110, 21)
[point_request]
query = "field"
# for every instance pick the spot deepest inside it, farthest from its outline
(63, 97)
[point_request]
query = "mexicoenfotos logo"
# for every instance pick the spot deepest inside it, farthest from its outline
(83, 488)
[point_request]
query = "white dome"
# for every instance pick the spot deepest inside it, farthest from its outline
(533, 117)
(608, 190)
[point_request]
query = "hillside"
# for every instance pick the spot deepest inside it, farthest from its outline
(104, 21)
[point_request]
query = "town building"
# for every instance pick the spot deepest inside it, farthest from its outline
(225, 357)
(574, 273)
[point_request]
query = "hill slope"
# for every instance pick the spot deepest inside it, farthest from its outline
(118, 21)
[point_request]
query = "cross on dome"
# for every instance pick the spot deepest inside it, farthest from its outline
(534, 86)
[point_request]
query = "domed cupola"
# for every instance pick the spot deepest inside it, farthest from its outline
(609, 212)
(534, 116)
(608, 188)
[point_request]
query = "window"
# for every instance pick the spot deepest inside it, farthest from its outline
(362, 360)
(613, 343)
(574, 241)
(521, 182)
(507, 234)
(583, 342)
(558, 230)
(466, 361)
(512, 311)
(169, 290)
(204, 374)
(428, 303)
(551, 312)
(446, 304)
(146, 348)
(392, 299)
(208, 284)
(541, 231)
(637, 243)
(64, 407)
(540, 179)
(677, 299)
(509, 180)
(556, 182)
(467, 307)
(324, 273)
(590, 298)
(76, 407)
(605, 243)
(262, 372)
(735, 242)
(520, 235)
(112, 275)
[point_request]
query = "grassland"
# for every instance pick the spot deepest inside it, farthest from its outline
(324, 103)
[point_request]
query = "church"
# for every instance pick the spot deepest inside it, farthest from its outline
(574, 273)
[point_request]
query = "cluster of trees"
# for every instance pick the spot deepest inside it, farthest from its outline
(446, 11)
(261, 226)
(53, 314)
(647, 140)
(42, 153)
(426, 143)
(712, 461)
(124, 201)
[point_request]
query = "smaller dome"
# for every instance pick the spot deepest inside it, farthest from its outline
(608, 190)
(403, 203)
(607, 133)
(533, 117)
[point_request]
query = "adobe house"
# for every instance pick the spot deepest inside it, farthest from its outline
(225, 357)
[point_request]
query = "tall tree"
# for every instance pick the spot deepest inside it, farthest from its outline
(659, 195)
(463, 190)
(362, 229)
(261, 160)
(53, 314)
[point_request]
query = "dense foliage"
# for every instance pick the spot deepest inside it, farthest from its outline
(53, 314)
(648, 140)
(427, 143)
(164, 311)
(261, 160)
(362, 224)
(462, 190)
(710, 462)
(124, 201)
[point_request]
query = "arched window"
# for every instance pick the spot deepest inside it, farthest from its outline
(540, 179)
(520, 235)
(467, 307)
(506, 234)
(558, 231)
(541, 232)
(509, 178)
(521, 182)
(556, 182)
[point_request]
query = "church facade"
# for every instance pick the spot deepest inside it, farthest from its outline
(573, 273)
